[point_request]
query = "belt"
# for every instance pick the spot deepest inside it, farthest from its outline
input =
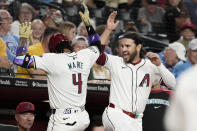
(68, 110)
(126, 112)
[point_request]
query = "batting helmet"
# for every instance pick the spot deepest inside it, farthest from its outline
(58, 42)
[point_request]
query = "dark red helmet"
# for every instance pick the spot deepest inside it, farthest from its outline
(56, 40)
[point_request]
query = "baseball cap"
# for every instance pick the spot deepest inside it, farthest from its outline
(152, 2)
(74, 41)
(188, 25)
(193, 44)
(179, 49)
(25, 107)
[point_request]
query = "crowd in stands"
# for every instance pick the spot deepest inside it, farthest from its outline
(168, 27)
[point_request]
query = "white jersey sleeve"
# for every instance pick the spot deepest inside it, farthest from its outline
(167, 77)
(44, 62)
(92, 53)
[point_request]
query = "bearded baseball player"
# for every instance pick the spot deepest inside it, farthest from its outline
(67, 78)
(132, 76)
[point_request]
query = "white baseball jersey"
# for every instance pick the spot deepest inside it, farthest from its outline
(131, 83)
(182, 114)
(67, 76)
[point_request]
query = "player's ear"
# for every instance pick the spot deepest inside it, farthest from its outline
(139, 47)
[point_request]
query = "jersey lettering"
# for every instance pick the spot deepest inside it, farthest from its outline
(75, 64)
(78, 83)
(146, 80)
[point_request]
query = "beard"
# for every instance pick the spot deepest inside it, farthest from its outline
(132, 56)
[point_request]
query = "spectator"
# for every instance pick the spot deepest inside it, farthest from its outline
(187, 33)
(37, 49)
(173, 20)
(10, 40)
(68, 29)
(52, 18)
(179, 4)
(172, 55)
(25, 115)
(37, 31)
(192, 8)
(190, 61)
(149, 15)
(26, 14)
(79, 43)
(5, 64)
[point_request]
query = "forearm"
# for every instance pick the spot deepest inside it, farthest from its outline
(105, 36)
(25, 61)
(94, 38)
(167, 77)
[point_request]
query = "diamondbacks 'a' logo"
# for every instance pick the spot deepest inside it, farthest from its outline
(146, 81)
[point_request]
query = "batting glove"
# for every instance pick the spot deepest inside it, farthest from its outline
(85, 16)
(25, 30)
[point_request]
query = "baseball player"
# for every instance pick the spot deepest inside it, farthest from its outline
(67, 78)
(132, 76)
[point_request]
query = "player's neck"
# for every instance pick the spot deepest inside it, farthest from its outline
(136, 61)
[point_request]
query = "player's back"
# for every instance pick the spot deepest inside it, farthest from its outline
(67, 76)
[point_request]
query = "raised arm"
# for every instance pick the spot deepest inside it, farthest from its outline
(111, 25)
(24, 33)
(22, 58)
(167, 77)
(94, 38)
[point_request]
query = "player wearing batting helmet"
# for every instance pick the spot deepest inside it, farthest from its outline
(67, 74)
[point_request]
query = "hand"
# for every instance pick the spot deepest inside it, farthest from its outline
(111, 25)
(85, 16)
(154, 58)
(25, 30)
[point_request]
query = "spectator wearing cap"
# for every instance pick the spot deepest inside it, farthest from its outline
(187, 33)
(25, 115)
(172, 54)
(149, 15)
(79, 43)
(190, 60)
(25, 14)
(173, 20)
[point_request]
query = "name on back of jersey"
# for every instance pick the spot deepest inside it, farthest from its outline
(75, 64)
